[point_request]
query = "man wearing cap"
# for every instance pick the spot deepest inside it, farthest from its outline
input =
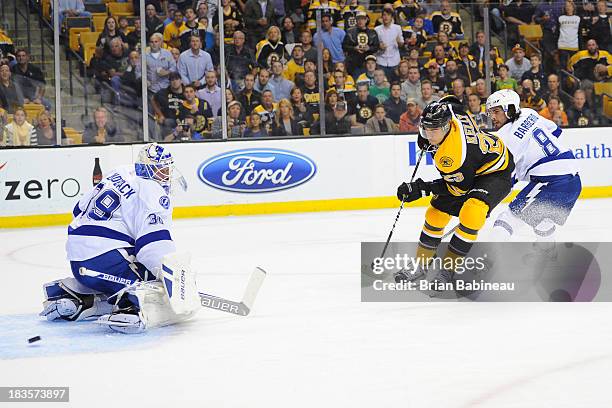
(468, 67)
(358, 43)
(368, 75)
(166, 103)
(518, 64)
(336, 124)
(409, 120)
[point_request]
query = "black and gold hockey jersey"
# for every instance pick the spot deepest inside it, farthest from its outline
(449, 25)
(405, 12)
(468, 153)
(329, 7)
(268, 52)
(348, 16)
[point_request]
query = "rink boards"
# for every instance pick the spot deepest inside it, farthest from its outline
(41, 186)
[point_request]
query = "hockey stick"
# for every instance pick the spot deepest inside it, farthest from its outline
(382, 255)
(241, 308)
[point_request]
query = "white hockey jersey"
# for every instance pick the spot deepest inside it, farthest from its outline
(534, 142)
(122, 211)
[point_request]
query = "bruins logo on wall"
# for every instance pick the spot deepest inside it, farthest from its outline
(362, 39)
(446, 27)
(365, 112)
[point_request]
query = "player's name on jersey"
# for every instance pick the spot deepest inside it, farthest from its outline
(122, 186)
(457, 284)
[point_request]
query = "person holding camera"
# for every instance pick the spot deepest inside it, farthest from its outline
(184, 131)
(530, 98)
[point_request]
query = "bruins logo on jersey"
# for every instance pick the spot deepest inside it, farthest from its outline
(583, 121)
(446, 27)
(272, 58)
(446, 161)
(536, 84)
(365, 112)
(362, 39)
(473, 64)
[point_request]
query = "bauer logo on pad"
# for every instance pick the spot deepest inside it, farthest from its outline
(257, 170)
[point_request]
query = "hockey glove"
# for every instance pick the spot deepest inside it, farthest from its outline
(409, 192)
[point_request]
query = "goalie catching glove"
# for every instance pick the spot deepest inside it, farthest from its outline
(409, 192)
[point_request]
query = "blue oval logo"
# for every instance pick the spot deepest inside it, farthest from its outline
(257, 170)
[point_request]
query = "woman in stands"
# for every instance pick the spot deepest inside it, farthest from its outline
(110, 32)
(45, 130)
(284, 123)
(301, 111)
(19, 132)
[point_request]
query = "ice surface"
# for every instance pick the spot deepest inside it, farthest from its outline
(309, 341)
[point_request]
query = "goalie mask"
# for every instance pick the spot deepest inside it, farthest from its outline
(156, 163)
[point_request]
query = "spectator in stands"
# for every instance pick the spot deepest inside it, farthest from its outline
(289, 33)
(553, 112)
(70, 8)
(176, 54)
(547, 15)
(582, 63)
(467, 66)
(296, 64)
(267, 109)
(153, 23)
(517, 13)
(256, 127)
(258, 16)
(117, 62)
(433, 75)
(536, 74)
(203, 14)
(409, 121)
(504, 81)
(427, 94)
(367, 77)
(310, 90)
(451, 72)
(101, 130)
(130, 91)
(170, 9)
(235, 122)
(458, 90)
(211, 92)
(599, 26)
(331, 99)
(310, 52)
(232, 18)
(108, 34)
(281, 87)
(133, 37)
(405, 11)
(390, 38)
(518, 64)
(194, 63)
(363, 108)
(160, 64)
(358, 43)
(19, 132)
(249, 98)
(381, 89)
(284, 123)
(395, 105)
(412, 87)
(331, 37)
(184, 131)
(193, 27)
(123, 25)
(569, 24)
(329, 8)
(11, 95)
(196, 107)
(447, 21)
(530, 98)
(301, 111)
(480, 90)
(477, 49)
(554, 89)
(379, 123)
(167, 101)
(346, 91)
(579, 114)
(270, 49)
(45, 130)
(337, 122)
(172, 32)
(476, 110)
(30, 79)
(239, 60)
(263, 81)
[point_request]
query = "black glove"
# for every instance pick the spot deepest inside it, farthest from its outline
(413, 191)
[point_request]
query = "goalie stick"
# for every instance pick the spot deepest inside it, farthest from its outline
(242, 308)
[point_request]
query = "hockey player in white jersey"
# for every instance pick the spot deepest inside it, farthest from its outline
(542, 160)
(118, 243)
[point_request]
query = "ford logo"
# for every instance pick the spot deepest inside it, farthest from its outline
(256, 170)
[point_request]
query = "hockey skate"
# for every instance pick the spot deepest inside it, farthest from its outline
(441, 282)
(126, 321)
(411, 273)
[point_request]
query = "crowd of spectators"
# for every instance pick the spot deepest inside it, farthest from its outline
(379, 69)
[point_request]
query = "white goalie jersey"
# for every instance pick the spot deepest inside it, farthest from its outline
(537, 149)
(122, 211)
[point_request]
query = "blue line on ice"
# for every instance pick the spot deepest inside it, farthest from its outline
(62, 337)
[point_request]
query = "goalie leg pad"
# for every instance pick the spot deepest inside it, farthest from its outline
(67, 299)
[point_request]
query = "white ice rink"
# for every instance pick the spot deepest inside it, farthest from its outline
(309, 342)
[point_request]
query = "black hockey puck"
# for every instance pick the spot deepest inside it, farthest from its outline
(33, 339)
